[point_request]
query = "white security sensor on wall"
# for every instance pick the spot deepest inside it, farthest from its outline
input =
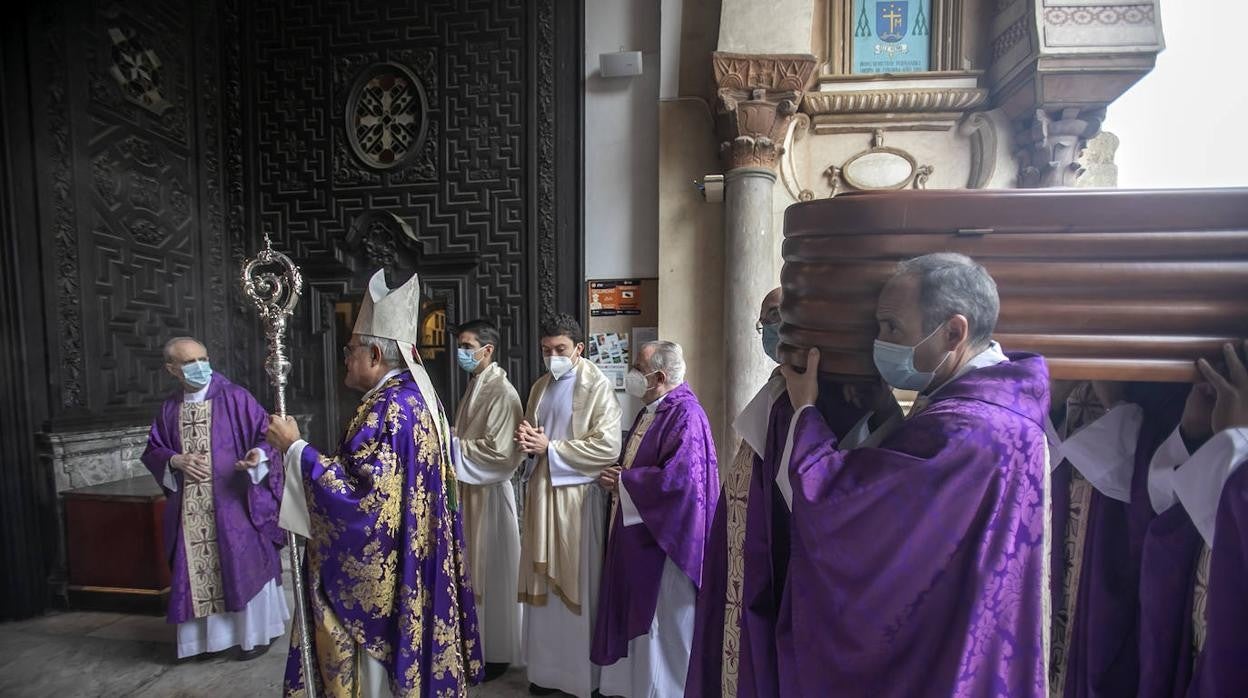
(623, 64)
(712, 188)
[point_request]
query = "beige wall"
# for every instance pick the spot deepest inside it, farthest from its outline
(691, 251)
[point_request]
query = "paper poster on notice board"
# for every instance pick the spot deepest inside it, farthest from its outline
(610, 352)
(616, 297)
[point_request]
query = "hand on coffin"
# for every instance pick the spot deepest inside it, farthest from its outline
(283, 431)
(610, 478)
(1197, 423)
(803, 387)
(1230, 406)
(196, 467)
(251, 460)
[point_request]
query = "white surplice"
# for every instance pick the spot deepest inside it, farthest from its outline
(1196, 479)
(264, 617)
(556, 640)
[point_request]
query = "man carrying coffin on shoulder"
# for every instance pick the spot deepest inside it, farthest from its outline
(918, 566)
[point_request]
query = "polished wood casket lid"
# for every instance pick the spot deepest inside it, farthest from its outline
(1110, 284)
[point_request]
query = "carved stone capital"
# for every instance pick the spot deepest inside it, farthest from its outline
(758, 96)
(1051, 143)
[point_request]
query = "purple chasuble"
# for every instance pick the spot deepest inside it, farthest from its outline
(385, 562)
(1103, 656)
(917, 567)
(765, 560)
(1167, 585)
(673, 482)
(1169, 546)
(1223, 666)
(248, 538)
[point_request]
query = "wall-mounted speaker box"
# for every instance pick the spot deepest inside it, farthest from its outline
(619, 65)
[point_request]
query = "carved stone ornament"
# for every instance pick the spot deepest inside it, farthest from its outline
(932, 101)
(137, 70)
(758, 96)
(387, 116)
(1051, 144)
(878, 168)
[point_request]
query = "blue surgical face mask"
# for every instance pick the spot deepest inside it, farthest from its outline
(467, 359)
(771, 341)
(197, 374)
(895, 362)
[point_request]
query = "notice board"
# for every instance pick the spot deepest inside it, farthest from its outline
(623, 315)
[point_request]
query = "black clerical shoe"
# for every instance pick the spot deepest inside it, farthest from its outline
(251, 654)
(535, 690)
(493, 670)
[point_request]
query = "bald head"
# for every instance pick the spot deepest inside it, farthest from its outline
(769, 312)
(179, 350)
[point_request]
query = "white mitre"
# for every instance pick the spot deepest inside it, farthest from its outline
(395, 314)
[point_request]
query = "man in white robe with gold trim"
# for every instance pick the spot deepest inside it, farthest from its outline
(486, 456)
(571, 433)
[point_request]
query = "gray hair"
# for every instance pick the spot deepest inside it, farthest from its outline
(669, 358)
(954, 284)
(391, 355)
(169, 345)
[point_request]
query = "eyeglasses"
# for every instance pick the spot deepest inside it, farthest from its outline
(348, 349)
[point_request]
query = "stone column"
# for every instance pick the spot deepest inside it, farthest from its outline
(758, 95)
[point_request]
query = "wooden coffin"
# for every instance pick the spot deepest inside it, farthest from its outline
(1106, 284)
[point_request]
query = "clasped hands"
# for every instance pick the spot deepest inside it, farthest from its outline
(609, 478)
(532, 440)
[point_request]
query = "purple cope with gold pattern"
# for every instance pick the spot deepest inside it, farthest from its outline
(385, 564)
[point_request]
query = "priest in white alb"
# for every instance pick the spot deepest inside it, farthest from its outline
(571, 432)
(486, 456)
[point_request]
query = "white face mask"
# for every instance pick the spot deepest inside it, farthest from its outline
(635, 383)
(558, 366)
(895, 363)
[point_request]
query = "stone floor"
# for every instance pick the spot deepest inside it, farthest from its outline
(111, 654)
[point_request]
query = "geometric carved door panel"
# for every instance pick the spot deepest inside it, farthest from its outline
(130, 190)
(400, 135)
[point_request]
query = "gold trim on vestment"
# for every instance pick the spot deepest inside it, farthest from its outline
(1200, 600)
(630, 454)
(736, 494)
(1082, 409)
(1072, 573)
(199, 520)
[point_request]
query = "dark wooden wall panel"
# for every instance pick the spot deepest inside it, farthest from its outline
(473, 211)
(148, 144)
(130, 198)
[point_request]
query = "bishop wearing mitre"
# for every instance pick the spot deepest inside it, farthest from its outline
(391, 605)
